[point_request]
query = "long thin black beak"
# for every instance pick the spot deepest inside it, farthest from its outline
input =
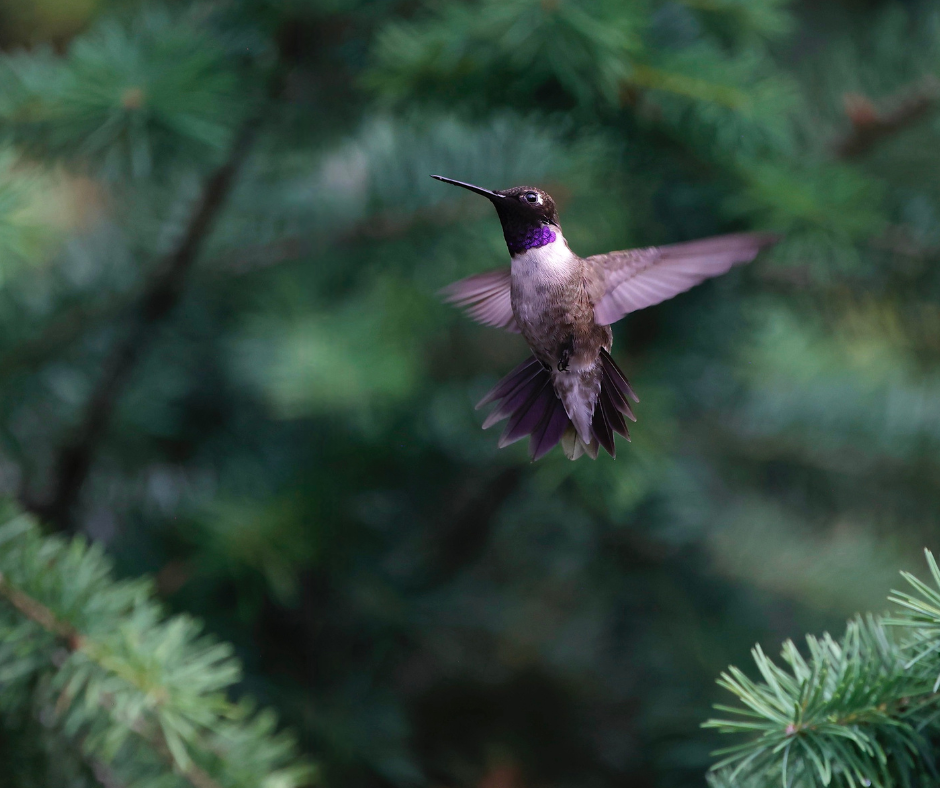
(485, 192)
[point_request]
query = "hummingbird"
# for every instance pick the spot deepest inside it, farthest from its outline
(570, 389)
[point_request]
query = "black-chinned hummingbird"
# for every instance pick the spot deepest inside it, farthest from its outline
(570, 389)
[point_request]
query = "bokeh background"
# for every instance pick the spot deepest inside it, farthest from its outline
(222, 358)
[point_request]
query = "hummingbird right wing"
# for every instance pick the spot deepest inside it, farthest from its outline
(637, 278)
(486, 298)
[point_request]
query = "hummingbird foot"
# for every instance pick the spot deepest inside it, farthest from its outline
(566, 351)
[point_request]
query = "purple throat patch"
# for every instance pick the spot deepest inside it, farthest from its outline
(533, 238)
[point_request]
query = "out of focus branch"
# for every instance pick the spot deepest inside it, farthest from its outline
(374, 227)
(161, 296)
(871, 125)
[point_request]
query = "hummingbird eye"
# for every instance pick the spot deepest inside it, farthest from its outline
(532, 198)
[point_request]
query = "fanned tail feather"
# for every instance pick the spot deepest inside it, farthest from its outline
(612, 406)
(574, 447)
(527, 397)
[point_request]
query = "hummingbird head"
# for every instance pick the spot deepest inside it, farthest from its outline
(528, 214)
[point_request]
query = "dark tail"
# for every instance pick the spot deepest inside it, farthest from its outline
(612, 405)
(527, 398)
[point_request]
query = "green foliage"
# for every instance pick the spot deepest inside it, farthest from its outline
(118, 682)
(289, 446)
(548, 54)
(124, 97)
(834, 713)
(583, 49)
(23, 235)
(858, 711)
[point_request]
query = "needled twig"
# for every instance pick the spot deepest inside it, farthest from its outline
(73, 640)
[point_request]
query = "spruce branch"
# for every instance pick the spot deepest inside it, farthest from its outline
(870, 125)
(114, 667)
(920, 620)
(74, 641)
(860, 711)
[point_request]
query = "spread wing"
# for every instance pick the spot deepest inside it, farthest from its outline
(637, 278)
(485, 297)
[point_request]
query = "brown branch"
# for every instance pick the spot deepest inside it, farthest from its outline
(40, 614)
(74, 641)
(37, 612)
(870, 126)
(75, 458)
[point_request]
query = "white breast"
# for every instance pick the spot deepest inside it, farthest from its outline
(549, 264)
(536, 272)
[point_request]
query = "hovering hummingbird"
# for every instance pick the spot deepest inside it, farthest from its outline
(570, 389)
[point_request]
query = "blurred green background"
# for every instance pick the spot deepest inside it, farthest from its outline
(288, 442)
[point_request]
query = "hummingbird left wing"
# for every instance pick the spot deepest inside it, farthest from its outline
(637, 278)
(486, 298)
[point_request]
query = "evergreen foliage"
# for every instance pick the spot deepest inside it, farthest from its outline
(858, 711)
(93, 671)
(222, 364)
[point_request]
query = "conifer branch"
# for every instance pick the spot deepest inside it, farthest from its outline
(145, 675)
(74, 641)
(74, 459)
(858, 711)
(39, 613)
